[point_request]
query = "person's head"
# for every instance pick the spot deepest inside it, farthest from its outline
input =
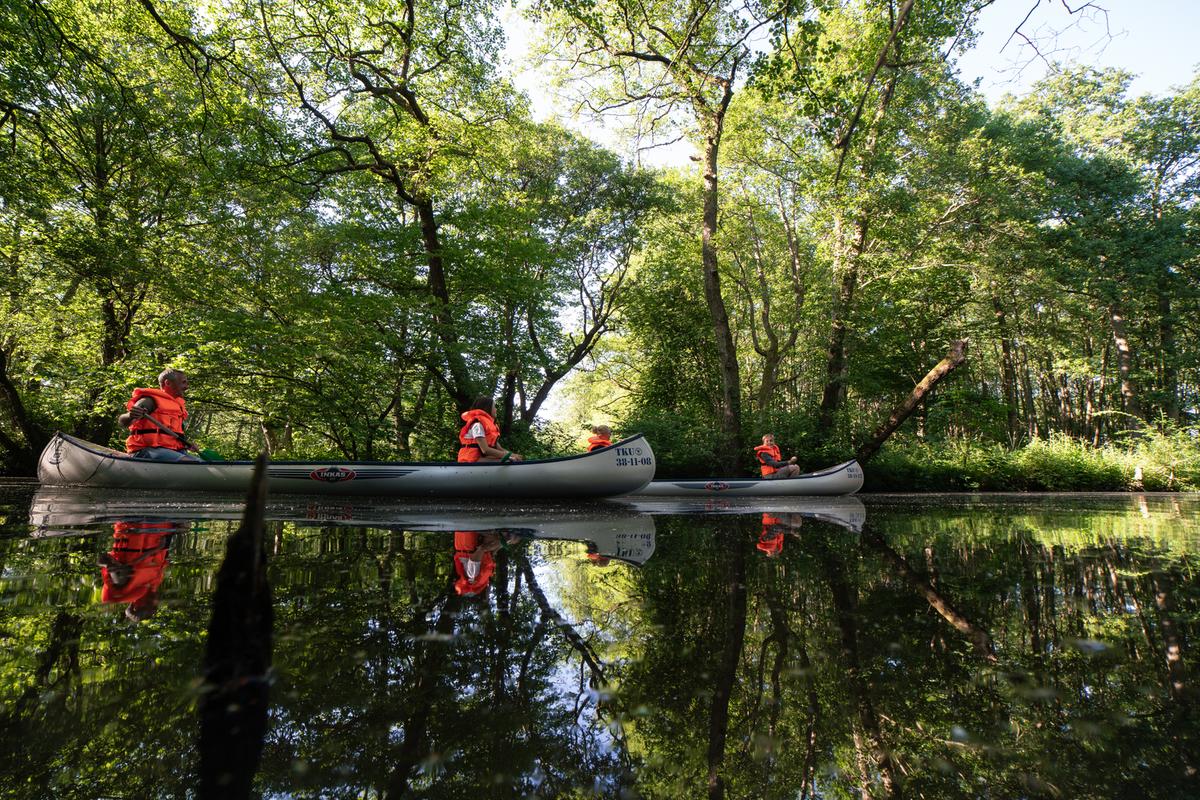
(484, 403)
(602, 430)
(143, 608)
(173, 382)
(768, 438)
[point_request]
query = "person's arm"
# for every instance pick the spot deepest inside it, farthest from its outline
(142, 408)
(768, 460)
(495, 452)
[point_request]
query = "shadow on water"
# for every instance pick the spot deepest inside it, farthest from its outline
(885, 647)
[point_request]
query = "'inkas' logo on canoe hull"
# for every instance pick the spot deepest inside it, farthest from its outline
(332, 474)
(716, 486)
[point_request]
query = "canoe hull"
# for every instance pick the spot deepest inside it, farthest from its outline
(844, 511)
(845, 478)
(614, 531)
(624, 467)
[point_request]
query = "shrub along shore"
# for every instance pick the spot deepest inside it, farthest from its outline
(1156, 464)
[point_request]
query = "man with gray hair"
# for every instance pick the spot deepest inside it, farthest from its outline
(155, 420)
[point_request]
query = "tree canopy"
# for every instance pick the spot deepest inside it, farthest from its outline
(345, 221)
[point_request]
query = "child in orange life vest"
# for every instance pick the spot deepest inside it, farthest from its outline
(164, 405)
(770, 541)
(475, 560)
(601, 437)
(480, 437)
(771, 462)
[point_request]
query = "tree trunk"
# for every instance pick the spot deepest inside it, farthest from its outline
(1031, 416)
(835, 368)
(835, 356)
(461, 386)
(956, 356)
(1099, 420)
(1116, 320)
(1008, 374)
(1168, 351)
(23, 457)
(731, 402)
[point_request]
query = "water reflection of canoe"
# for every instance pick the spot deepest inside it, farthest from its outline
(616, 532)
(621, 468)
(847, 512)
(844, 478)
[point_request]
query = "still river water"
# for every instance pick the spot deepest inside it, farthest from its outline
(883, 646)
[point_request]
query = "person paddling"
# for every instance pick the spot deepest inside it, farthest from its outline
(480, 437)
(771, 462)
(155, 417)
(601, 437)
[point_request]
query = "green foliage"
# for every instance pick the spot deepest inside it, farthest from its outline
(683, 444)
(1168, 462)
(345, 223)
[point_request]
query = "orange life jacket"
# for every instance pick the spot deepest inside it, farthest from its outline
(770, 541)
(142, 547)
(171, 411)
(597, 442)
(491, 434)
(771, 450)
(473, 576)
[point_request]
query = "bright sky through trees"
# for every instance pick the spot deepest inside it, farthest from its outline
(1153, 39)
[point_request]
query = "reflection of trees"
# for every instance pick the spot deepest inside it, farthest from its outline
(927, 589)
(930, 653)
(725, 676)
(52, 690)
(862, 673)
(459, 688)
(870, 751)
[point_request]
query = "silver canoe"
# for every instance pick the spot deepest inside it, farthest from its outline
(846, 478)
(846, 512)
(612, 531)
(624, 467)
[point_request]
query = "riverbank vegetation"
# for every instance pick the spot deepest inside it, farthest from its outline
(345, 222)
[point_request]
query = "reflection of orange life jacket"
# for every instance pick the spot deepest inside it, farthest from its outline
(169, 410)
(491, 434)
(770, 541)
(771, 450)
(141, 546)
(596, 442)
(473, 576)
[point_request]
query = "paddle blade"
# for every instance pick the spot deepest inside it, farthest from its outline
(209, 455)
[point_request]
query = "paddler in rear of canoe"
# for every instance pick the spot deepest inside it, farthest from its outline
(166, 406)
(480, 437)
(770, 460)
(601, 438)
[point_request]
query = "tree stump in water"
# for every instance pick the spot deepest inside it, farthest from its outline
(233, 706)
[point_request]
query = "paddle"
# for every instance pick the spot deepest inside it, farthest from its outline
(205, 454)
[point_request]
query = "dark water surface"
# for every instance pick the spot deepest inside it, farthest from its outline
(931, 646)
